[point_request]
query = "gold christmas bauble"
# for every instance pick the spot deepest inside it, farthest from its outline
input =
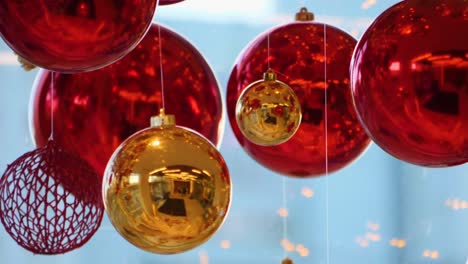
(166, 188)
(268, 111)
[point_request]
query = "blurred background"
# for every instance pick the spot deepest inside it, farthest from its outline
(378, 210)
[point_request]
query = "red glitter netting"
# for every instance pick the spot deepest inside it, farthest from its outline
(50, 201)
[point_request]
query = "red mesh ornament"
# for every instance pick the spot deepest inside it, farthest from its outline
(297, 55)
(50, 201)
(169, 2)
(409, 78)
(96, 111)
(74, 35)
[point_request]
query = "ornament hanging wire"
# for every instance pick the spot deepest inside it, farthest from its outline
(161, 67)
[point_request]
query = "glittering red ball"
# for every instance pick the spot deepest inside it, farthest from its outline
(74, 35)
(95, 111)
(297, 54)
(50, 201)
(169, 2)
(410, 81)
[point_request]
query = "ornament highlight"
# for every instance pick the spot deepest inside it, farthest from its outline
(410, 82)
(50, 201)
(297, 51)
(74, 36)
(166, 188)
(268, 111)
(95, 111)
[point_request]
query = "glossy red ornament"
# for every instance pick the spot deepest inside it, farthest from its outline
(410, 81)
(169, 2)
(297, 55)
(95, 111)
(74, 35)
(50, 201)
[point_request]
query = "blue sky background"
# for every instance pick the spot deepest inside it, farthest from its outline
(373, 205)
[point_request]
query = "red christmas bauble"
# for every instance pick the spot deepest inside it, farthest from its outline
(95, 111)
(74, 35)
(169, 2)
(50, 201)
(410, 81)
(297, 55)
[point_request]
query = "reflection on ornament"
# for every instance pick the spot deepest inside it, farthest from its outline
(74, 35)
(297, 51)
(268, 111)
(410, 82)
(50, 201)
(166, 188)
(95, 111)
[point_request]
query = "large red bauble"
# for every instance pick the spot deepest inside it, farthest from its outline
(169, 2)
(74, 35)
(95, 111)
(410, 81)
(297, 55)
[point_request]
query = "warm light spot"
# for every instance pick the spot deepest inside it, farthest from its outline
(204, 259)
(368, 3)
(155, 143)
(283, 212)
(299, 247)
(373, 236)
(464, 205)
(399, 243)
(80, 101)
(303, 251)
(395, 66)
(355, 33)
(456, 204)
(413, 66)
(407, 30)
(431, 254)
(287, 245)
(364, 243)
(225, 244)
(373, 226)
(150, 71)
(307, 192)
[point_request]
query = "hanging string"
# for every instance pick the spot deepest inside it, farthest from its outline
(285, 217)
(327, 214)
(52, 95)
(161, 68)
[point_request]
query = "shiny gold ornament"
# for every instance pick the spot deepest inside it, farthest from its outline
(166, 188)
(268, 111)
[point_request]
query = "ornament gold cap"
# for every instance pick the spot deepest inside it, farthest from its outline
(269, 75)
(287, 261)
(304, 15)
(162, 119)
(25, 64)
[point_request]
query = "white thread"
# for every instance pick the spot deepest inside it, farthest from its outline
(161, 68)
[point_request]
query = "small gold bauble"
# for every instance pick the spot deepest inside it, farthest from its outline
(268, 111)
(287, 261)
(166, 189)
